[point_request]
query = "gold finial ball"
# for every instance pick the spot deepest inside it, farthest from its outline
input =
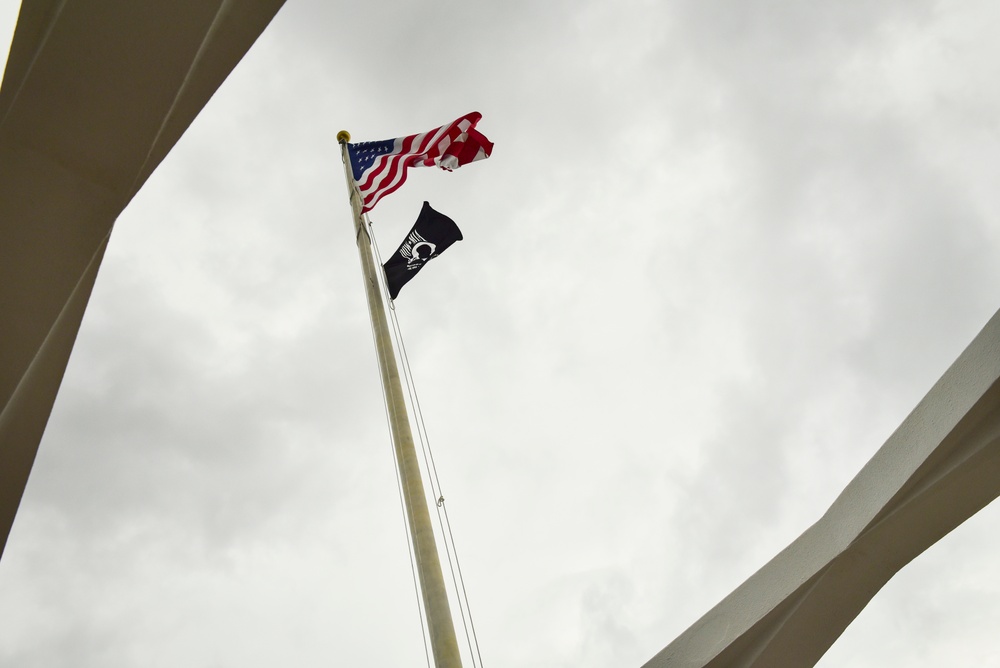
(343, 136)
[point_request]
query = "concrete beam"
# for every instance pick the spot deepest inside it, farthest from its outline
(95, 93)
(939, 468)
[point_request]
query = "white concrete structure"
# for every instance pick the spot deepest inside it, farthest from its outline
(937, 469)
(95, 93)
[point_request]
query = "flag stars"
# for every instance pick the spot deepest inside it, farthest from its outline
(365, 153)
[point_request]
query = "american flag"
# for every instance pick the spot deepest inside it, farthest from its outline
(379, 167)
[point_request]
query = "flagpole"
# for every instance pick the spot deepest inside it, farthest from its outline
(435, 597)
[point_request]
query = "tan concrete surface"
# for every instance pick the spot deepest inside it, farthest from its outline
(94, 95)
(937, 469)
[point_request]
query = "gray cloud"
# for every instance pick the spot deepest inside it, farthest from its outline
(720, 251)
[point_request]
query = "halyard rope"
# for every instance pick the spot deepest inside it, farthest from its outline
(411, 549)
(442, 511)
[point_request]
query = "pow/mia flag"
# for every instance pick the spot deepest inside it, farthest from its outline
(431, 235)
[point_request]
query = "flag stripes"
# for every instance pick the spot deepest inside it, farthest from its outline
(379, 167)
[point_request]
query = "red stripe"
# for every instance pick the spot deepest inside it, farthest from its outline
(388, 172)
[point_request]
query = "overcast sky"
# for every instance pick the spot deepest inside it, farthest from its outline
(719, 253)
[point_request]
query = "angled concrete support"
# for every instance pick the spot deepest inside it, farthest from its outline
(95, 93)
(939, 468)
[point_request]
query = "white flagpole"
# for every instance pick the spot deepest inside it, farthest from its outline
(435, 597)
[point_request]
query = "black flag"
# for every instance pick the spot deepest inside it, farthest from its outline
(431, 235)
